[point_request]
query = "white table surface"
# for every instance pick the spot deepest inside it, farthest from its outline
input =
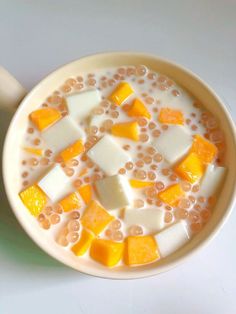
(37, 37)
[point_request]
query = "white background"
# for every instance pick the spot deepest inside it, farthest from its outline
(38, 36)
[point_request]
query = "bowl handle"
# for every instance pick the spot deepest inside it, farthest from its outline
(11, 91)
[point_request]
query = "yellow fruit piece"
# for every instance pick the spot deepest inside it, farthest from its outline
(106, 252)
(70, 202)
(191, 168)
(171, 194)
(138, 109)
(121, 93)
(128, 130)
(42, 118)
(140, 250)
(140, 184)
(170, 116)
(85, 240)
(35, 151)
(204, 149)
(95, 217)
(85, 192)
(72, 151)
(34, 199)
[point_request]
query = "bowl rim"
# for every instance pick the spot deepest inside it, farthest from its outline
(97, 272)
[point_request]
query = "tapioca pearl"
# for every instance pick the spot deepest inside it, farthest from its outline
(116, 77)
(135, 230)
(159, 185)
(184, 203)
(108, 233)
(44, 161)
(161, 78)
(126, 147)
(105, 103)
(25, 174)
(151, 76)
(212, 123)
(114, 114)
(66, 88)
(48, 210)
(181, 213)
(168, 218)
(155, 110)
(24, 162)
(73, 163)
(63, 165)
(139, 147)
(25, 183)
(158, 203)
(63, 114)
(89, 163)
(163, 87)
(142, 122)
(205, 116)
(129, 165)
(122, 171)
(84, 157)
(147, 159)
(150, 192)
(55, 219)
(87, 179)
(41, 217)
(121, 71)
(192, 199)
(194, 216)
(32, 162)
(55, 100)
(77, 183)
(205, 214)
(62, 240)
(130, 71)
(175, 92)
(91, 82)
(141, 70)
(88, 145)
(169, 208)
(156, 133)
(73, 225)
(48, 153)
(169, 83)
(62, 107)
(91, 75)
(196, 227)
(140, 155)
(173, 177)
(143, 129)
(98, 111)
(117, 235)
(144, 138)
(150, 201)
(194, 127)
(201, 199)
(102, 129)
(69, 171)
(149, 100)
(44, 105)
(138, 203)
(186, 186)
(125, 107)
(216, 136)
(36, 141)
(151, 175)
(93, 139)
(72, 237)
(30, 130)
(154, 84)
(193, 114)
(45, 224)
(111, 82)
(78, 86)
(115, 224)
(71, 82)
(140, 81)
(166, 171)
(188, 121)
(154, 167)
(197, 207)
(195, 188)
(157, 157)
(151, 150)
(58, 209)
(75, 215)
(96, 177)
(164, 127)
(80, 79)
(139, 163)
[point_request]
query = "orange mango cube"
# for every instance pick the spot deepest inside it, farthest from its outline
(42, 118)
(85, 192)
(106, 252)
(121, 93)
(140, 250)
(34, 199)
(32, 150)
(70, 202)
(190, 168)
(85, 240)
(138, 109)
(171, 194)
(95, 217)
(170, 116)
(127, 129)
(204, 149)
(72, 151)
(140, 184)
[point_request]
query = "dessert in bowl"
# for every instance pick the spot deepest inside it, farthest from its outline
(121, 165)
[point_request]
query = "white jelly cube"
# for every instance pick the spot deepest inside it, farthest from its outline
(212, 180)
(54, 183)
(108, 155)
(114, 192)
(62, 134)
(173, 143)
(81, 104)
(151, 218)
(172, 238)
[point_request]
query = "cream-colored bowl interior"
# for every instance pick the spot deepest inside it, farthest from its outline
(11, 169)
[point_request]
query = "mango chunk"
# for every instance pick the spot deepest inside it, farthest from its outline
(95, 217)
(42, 118)
(70, 202)
(170, 116)
(34, 199)
(191, 168)
(171, 194)
(85, 240)
(127, 129)
(138, 109)
(121, 93)
(85, 192)
(140, 184)
(106, 252)
(32, 150)
(140, 250)
(205, 150)
(72, 151)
